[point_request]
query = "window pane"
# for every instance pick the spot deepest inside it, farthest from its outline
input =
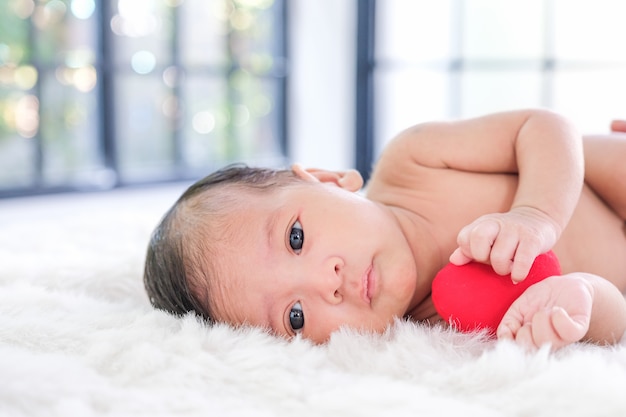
(100, 93)
(19, 107)
(487, 91)
(253, 28)
(495, 29)
(567, 55)
(254, 116)
(143, 32)
(65, 50)
(230, 110)
(145, 146)
(207, 117)
(69, 126)
(408, 96)
(220, 129)
(65, 32)
(14, 33)
(204, 33)
(18, 149)
(47, 58)
(429, 24)
(591, 97)
(590, 30)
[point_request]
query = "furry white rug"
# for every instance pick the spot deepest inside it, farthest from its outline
(78, 338)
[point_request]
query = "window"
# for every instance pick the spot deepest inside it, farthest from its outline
(100, 94)
(461, 58)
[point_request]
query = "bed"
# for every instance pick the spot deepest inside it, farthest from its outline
(79, 338)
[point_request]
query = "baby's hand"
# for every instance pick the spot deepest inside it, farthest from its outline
(556, 310)
(510, 241)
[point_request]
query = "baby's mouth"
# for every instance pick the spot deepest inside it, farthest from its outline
(368, 285)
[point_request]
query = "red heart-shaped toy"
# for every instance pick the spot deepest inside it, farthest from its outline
(474, 297)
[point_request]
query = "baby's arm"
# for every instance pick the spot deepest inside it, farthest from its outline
(545, 150)
(564, 309)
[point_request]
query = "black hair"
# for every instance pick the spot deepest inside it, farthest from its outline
(179, 253)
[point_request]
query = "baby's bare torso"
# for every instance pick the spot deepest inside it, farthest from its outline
(594, 240)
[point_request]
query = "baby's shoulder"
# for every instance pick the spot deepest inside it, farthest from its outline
(396, 163)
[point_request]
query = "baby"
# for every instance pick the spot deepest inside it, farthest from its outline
(302, 251)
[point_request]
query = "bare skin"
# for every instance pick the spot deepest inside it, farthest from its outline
(447, 191)
(618, 126)
(499, 189)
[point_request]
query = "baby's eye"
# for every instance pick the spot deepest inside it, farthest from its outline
(296, 237)
(296, 317)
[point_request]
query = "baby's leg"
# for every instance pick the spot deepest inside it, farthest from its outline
(605, 169)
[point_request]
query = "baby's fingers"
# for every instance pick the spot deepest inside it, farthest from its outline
(570, 329)
(512, 321)
(503, 252)
(530, 334)
(523, 260)
(459, 258)
(550, 326)
(508, 330)
(543, 332)
(476, 239)
(556, 327)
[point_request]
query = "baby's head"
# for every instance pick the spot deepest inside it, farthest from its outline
(294, 251)
(183, 252)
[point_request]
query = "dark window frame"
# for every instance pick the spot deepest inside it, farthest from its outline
(364, 106)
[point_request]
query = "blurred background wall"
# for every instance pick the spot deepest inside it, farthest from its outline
(96, 94)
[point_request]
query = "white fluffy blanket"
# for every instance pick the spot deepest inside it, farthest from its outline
(78, 338)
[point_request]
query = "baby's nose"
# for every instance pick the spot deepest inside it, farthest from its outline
(331, 280)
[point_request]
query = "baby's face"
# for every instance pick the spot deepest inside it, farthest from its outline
(311, 258)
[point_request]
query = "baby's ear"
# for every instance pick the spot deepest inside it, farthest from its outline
(349, 180)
